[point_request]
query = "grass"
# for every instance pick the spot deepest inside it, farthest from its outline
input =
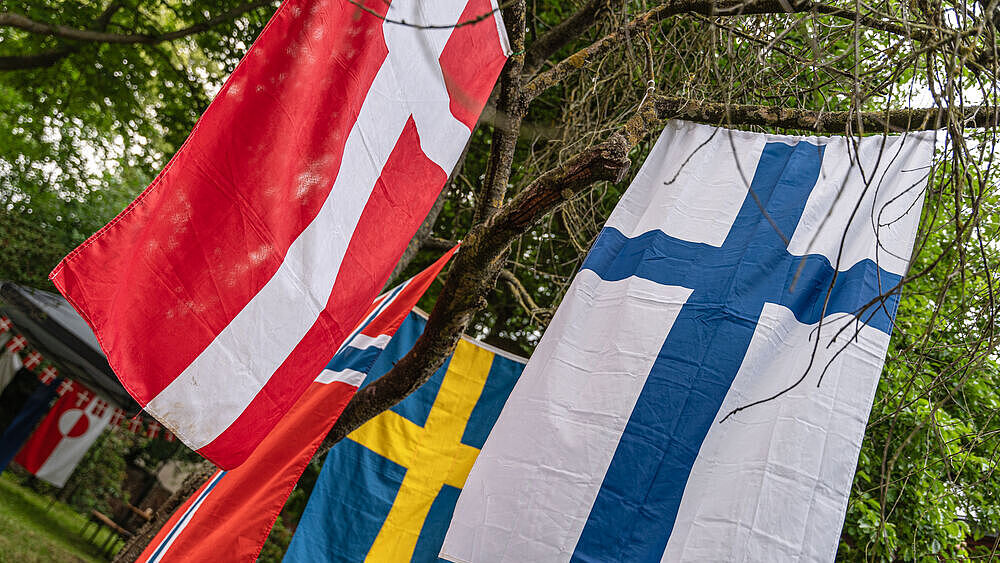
(33, 528)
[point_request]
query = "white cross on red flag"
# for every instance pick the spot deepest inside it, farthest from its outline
(65, 387)
(332, 139)
(17, 343)
(32, 360)
(135, 425)
(152, 429)
(49, 373)
(83, 397)
(5, 324)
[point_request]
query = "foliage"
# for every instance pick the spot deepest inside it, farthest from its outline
(34, 528)
(100, 475)
(88, 129)
(276, 543)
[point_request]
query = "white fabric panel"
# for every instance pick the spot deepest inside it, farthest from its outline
(773, 480)
(10, 362)
(692, 185)
(348, 376)
(887, 191)
(543, 464)
(262, 335)
(69, 451)
(362, 341)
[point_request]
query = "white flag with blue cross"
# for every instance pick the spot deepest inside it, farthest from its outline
(702, 392)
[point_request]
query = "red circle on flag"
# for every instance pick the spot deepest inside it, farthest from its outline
(73, 423)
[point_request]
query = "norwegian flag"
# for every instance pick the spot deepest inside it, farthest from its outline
(17, 343)
(48, 374)
(5, 324)
(32, 360)
(152, 429)
(282, 216)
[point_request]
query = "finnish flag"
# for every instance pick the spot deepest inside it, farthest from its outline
(702, 392)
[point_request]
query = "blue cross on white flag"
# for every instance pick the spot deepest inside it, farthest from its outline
(738, 267)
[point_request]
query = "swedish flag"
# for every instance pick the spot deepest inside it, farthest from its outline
(387, 493)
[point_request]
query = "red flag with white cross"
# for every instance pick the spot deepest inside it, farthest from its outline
(17, 343)
(282, 216)
(32, 360)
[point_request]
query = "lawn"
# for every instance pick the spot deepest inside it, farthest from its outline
(32, 528)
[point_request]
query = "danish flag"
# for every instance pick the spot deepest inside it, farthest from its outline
(33, 360)
(16, 344)
(135, 425)
(277, 223)
(5, 324)
(65, 387)
(82, 397)
(48, 374)
(153, 429)
(117, 417)
(100, 407)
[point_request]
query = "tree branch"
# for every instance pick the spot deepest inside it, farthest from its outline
(49, 58)
(11, 19)
(566, 31)
(38, 60)
(507, 126)
(897, 120)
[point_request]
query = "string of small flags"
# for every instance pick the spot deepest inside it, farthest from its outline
(33, 361)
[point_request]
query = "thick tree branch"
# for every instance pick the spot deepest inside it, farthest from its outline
(473, 274)
(38, 60)
(484, 251)
(11, 19)
(897, 120)
(507, 125)
(49, 58)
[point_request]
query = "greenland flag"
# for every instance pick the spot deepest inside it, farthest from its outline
(702, 392)
(276, 224)
(65, 435)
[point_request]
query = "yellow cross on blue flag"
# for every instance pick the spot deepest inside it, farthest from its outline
(388, 491)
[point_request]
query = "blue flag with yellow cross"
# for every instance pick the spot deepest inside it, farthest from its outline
(388, 491)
